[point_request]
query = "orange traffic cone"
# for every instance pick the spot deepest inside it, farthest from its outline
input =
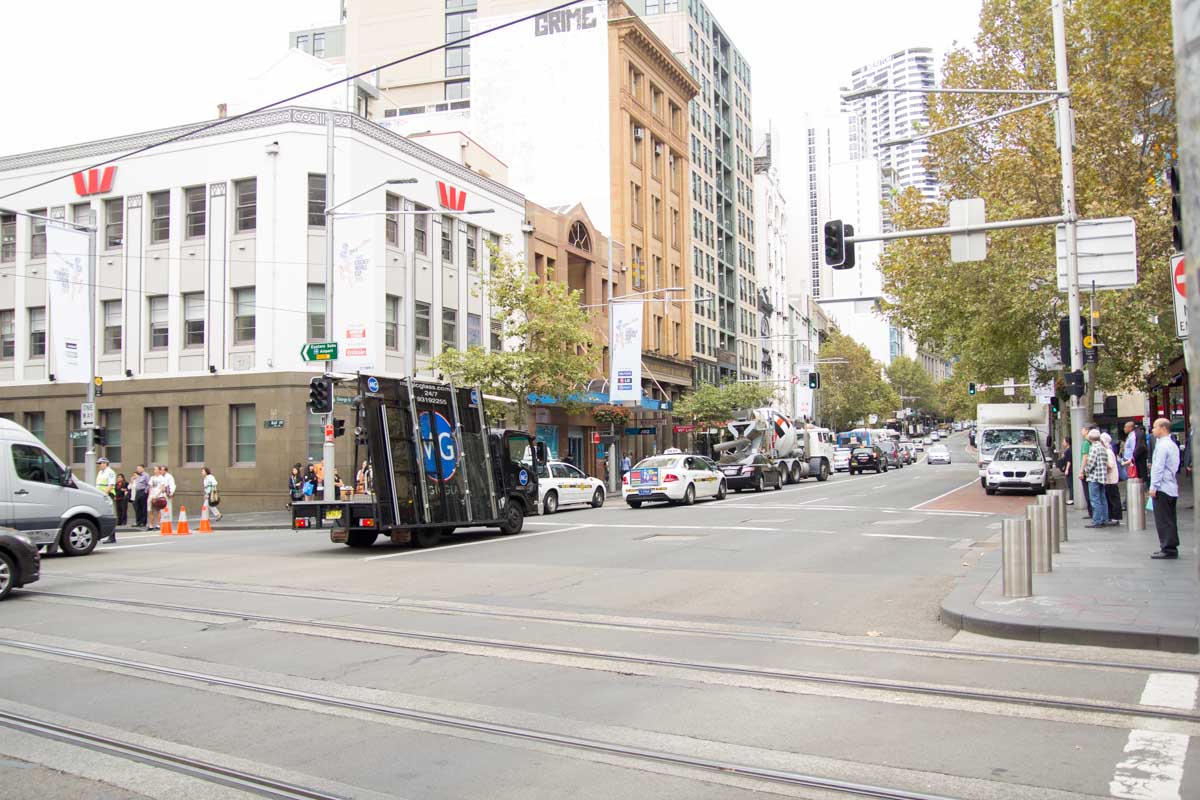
(165, 529)
(182, 528)
(205, 527)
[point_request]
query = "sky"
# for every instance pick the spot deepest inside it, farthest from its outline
(88, 70)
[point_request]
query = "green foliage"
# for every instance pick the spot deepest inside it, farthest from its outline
(958, 403)
(913, 385)
(852, 391)
(712, 405)
(998, 314)
(548, 343)
(616, 416)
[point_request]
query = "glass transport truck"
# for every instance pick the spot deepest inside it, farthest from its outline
(435, 466)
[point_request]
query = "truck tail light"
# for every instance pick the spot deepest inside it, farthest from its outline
(669, 478)
(366, 522)
(304, 522)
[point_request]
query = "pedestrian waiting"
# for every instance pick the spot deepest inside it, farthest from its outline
(1096, 473)
(1164, 489)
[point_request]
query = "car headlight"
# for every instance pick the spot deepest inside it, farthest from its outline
(1036, 471)
(993, 470)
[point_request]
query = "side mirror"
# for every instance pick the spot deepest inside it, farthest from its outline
(540, 453)
(67, 479)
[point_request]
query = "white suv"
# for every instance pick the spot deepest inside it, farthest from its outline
(1018, 467)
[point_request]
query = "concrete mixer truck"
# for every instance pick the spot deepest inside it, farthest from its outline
(799, 451)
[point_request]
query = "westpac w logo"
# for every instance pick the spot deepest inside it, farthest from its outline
(451, 197)
(94, 182)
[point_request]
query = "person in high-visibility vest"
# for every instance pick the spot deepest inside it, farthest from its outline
(106, 481)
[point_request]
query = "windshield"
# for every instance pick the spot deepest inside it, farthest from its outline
(842, 451)
(995, 438)
(1018, 454)
(866, 450)
(657, 461)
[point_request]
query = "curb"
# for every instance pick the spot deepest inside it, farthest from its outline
(959, 611)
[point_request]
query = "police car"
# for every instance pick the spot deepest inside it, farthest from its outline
(562, 484)
(677, 479)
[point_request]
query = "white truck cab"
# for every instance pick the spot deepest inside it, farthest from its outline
(40, 498)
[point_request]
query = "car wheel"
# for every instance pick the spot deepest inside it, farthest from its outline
(551, 503)
(79, 537)
(779, 482)
(598, 498)
(425, 537)
(823, 473)
(514, 518)
(689, 495)
(634, 503)
(358, 539)
(990, 489)
(722, 490)
(758, 483)
(983, 482)
(884, 467)
(850, 471)
(8, 575)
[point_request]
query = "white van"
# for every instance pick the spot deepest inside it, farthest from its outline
(40, 498)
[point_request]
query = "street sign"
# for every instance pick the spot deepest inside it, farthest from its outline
(77, 435)
(319, 351)
(343, 401)
(967, 246)
(273, 423)
(1107, 250)
(640, 431)
(1179, 294)
(684, 428)
(795, 379)
(1010, 388)
(87, 415)
(873, 419)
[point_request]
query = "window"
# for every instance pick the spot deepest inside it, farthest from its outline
(449, 329)
(391, 325)
(472, 247)
(302, 42)
(37, 234)
(37, 332)
(458, 61)
(193, 319)
(458, 25)
(497, 336)
(458, 90)
(110, 421)
(318, 45)
(76, 448)
(8, 341)
(316, 437)
(391, 222)
(675, 228)
(8, 237)
(421, 330)
(160, 216)
(656, 221)
(635, 200)
(159, 338)
(420, 229)
(656, 159)
(156, 436)
(579, 236)
(656, 101)
(316, 312)
(635, 82)
(636, 134)
(316, 201)
(35, 423)
(193, 434)
(448, 240)
(34, 464)
(243, 316)
(474, 330)
(193, 202)
(114, 222)
(112, 326)
(246, 218)
(244, 425)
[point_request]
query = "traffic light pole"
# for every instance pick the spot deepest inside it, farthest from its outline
(89, 455)
(328, 452)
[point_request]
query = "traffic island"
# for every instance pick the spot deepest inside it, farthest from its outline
(1104, 590)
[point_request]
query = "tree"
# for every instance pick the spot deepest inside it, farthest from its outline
(548, 342)
(852, 391)
(913, 385)
(998, 314)
(712, 405)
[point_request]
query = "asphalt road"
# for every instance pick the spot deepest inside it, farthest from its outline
(783, 643)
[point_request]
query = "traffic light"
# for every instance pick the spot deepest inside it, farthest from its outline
(98, 382)
(970, 388)
(320, 395)
(339, 428)
(835, 243)
(99, 437)
(848, 233)
(1176, 207)
(1054, 404)
(1074, 381)
(814, 380)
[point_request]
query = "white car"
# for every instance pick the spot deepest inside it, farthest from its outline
(1018, 467)
(676, 479)
(935, 436)
(563, 484)
(938, 454)
(841, 459)
(927, 440)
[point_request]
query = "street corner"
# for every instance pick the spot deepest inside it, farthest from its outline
(972, 497)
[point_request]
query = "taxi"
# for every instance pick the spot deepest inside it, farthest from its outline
(563, 484)
(678, 479)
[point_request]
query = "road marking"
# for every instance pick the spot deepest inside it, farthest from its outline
(472, 544)
(1168, 690)
(1153, 766)
(814, 500)
(130, 546)
(902, 536)
(940, 496)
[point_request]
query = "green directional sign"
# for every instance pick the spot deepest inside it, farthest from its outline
(319, 351)
(75, 435)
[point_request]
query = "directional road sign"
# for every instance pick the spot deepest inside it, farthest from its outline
(319, 351)
(967, 246)
(87, 415)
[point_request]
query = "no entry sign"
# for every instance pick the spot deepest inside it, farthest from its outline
(1179, 294)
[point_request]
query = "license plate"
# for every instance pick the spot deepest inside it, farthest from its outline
(643, 491)
(333, 513)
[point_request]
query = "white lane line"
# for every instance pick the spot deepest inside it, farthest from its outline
(902, 536)
(130, 546)
(403, 553)
(943, 494)
(814, 500)
(1152, 768)
(1170, 690)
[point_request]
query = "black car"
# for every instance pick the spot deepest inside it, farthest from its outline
(868, 458)
(19, 561)
(891, 454)
(752, 472)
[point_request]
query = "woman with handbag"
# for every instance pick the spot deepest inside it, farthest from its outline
(158, 498)
(296, 484)
(121, 499)
(212, 497)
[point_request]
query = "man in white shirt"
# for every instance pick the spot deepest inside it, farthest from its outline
(1164, 489)
(106, 481)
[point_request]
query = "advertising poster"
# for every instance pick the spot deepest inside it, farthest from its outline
(625, 382)
(67, 272)
(353, 294)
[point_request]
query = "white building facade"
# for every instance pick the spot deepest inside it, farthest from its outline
(771, 262)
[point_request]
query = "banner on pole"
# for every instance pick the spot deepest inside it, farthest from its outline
(67, 271)
(625, 382)
(353, 294)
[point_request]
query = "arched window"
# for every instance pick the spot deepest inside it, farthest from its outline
(579, 236)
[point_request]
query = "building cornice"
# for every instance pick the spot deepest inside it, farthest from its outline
(264, 119)
(635, 34)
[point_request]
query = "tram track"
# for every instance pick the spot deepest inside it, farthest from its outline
(855, 683)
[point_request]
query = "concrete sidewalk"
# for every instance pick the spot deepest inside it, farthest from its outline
(1104, 590)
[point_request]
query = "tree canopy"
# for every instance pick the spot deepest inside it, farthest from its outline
(854, 390)
(913, 386)
(711, 405)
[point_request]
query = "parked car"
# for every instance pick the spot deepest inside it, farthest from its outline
(841, 459)
(938, 454)
(41, 499)
(19, 561)
(868, 458)
(675, 479)
(891, 453)
(562, 484)
(752, 472)
(1018, 467)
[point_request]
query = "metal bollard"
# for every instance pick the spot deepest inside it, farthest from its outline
(1062, 513)
(1057, 500)
(1014, 552)
(1047, 502)
(1135, 504)
(1039, 534)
